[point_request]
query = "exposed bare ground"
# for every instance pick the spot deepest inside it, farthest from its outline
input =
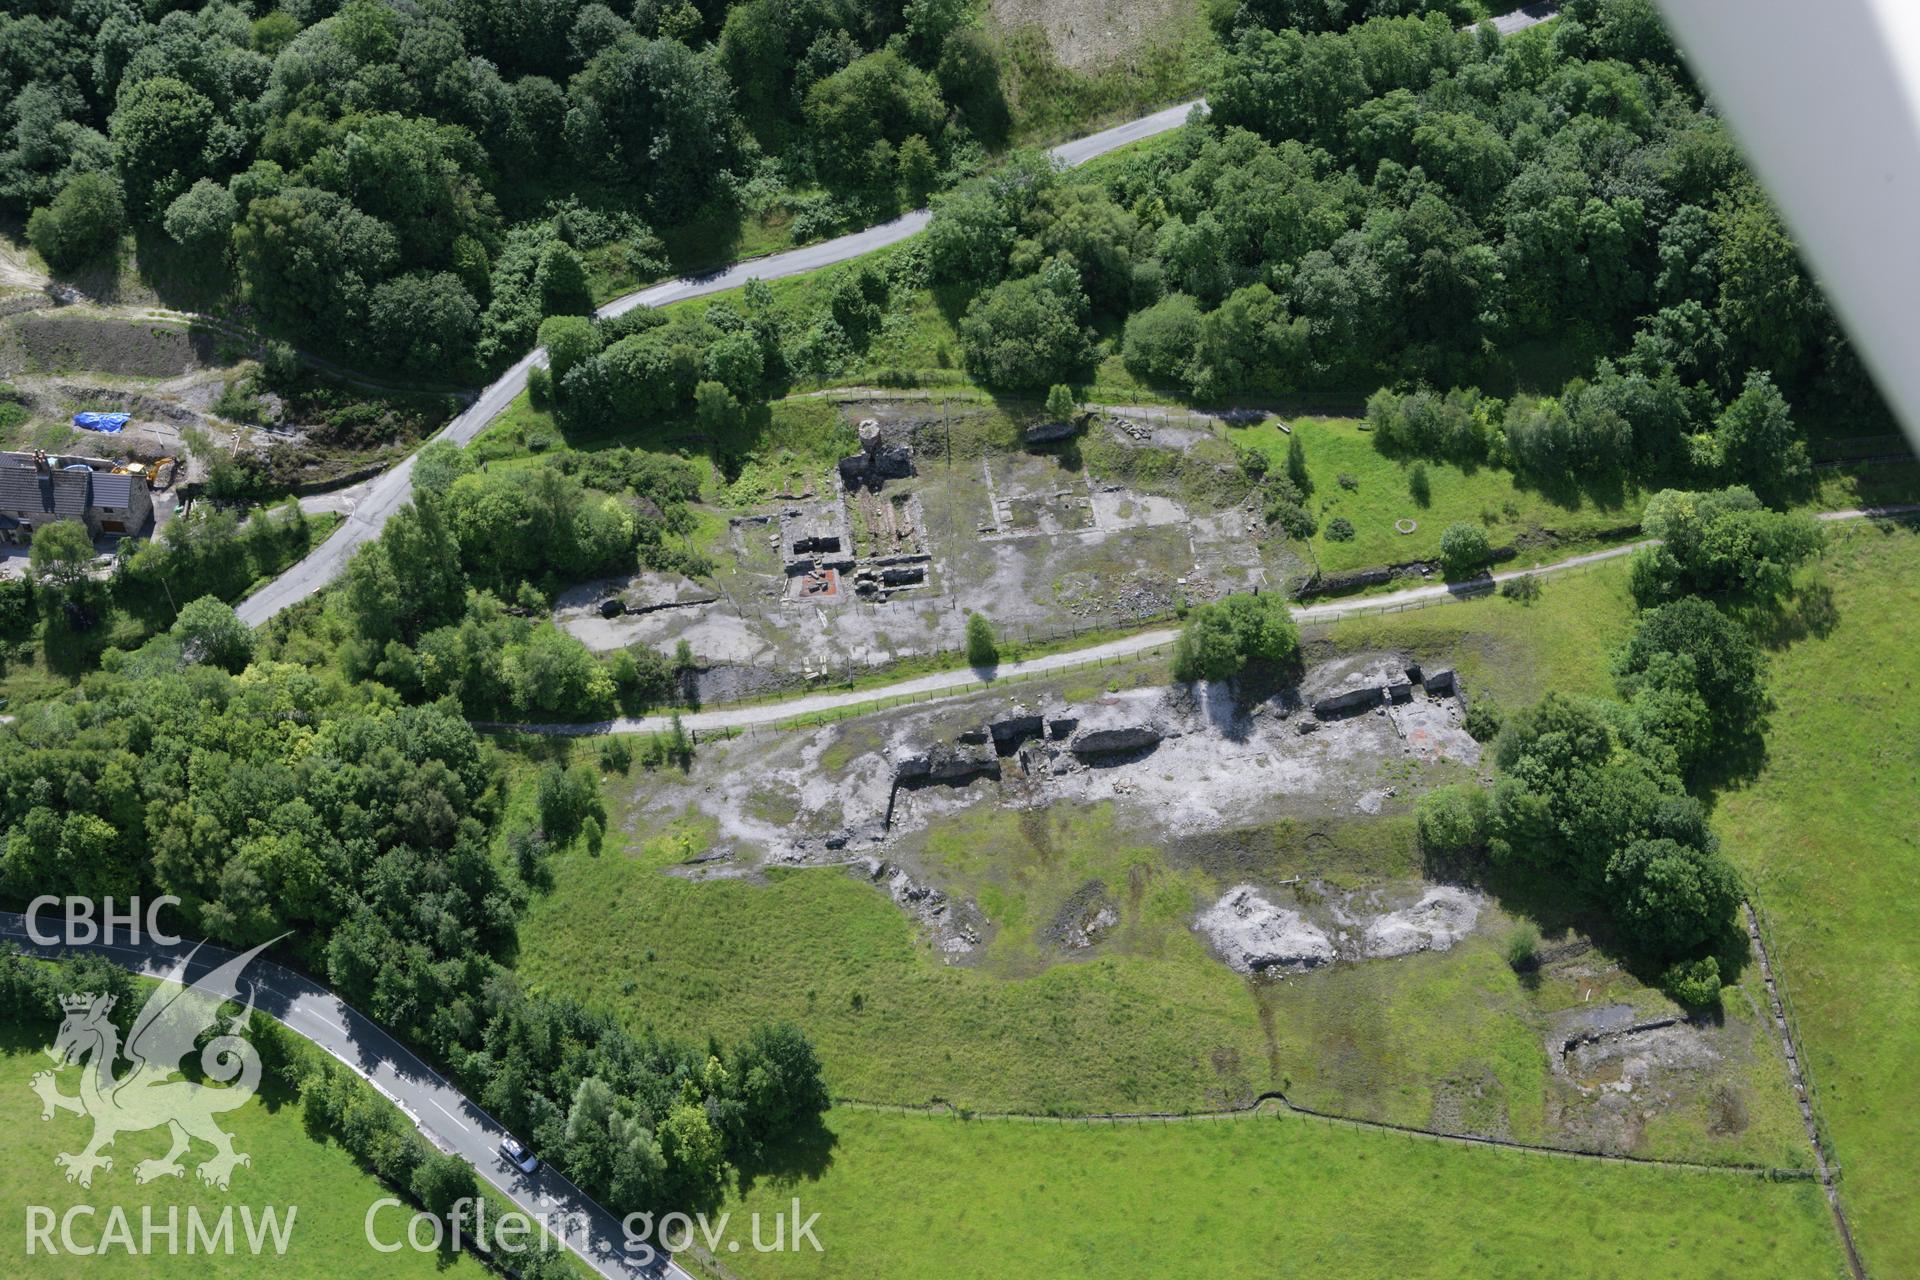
(1212, 765)
(120, 343)
(1089, 34)
(14, 271)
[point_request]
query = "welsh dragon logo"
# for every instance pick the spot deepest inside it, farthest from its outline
(152, 1092)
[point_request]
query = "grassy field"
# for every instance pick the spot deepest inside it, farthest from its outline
(1541, 526)
(1154, 1020)
(1829, 836)
(1454, 1043)
(913, 1196)
(1511, 651)
(290, 1168)
(892, 1022)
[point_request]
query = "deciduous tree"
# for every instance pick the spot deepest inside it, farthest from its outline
(1463, 550)
(1218, 640)
(82, 224)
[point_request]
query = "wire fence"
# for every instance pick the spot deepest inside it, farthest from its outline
(1270, 1105)
(867, 706)
(1465, 593)
(1808, 1076)
(1264, 1106)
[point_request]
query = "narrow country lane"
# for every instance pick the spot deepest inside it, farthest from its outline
(446, 1116)
(392, 490)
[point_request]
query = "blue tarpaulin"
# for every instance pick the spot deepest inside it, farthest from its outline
(104, 422)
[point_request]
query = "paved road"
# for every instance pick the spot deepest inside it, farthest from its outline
(968, 681)
(391, 491)
(445, 1115)
(394, 489)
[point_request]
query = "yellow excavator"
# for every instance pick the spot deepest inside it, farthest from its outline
(159, 474)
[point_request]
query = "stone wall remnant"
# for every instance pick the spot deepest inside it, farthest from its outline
(1113, 739)
(877, 460)
(1347, 701)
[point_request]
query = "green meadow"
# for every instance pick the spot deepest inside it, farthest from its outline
(1828, 835)
(912, 1196)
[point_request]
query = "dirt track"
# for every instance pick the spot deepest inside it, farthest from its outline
(966, 681)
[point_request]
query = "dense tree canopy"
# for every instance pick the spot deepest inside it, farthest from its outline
(438, 607)
(1463, 549)
(406, 144)
(1384, 198)
(1030, 332)
(201, 218)
(82, 223)
(652, 112)
(1576, 785)
(1594, 793)
(270, 799)
(61, 555)
(1671, 898)
(209, 632)
(1722, 544)
(1688, 649)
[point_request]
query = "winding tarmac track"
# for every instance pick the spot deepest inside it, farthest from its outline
(392, 490)
(448, 1119)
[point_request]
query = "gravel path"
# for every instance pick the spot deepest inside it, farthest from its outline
(967, 681)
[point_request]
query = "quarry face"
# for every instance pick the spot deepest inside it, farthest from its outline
(1354, 737)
